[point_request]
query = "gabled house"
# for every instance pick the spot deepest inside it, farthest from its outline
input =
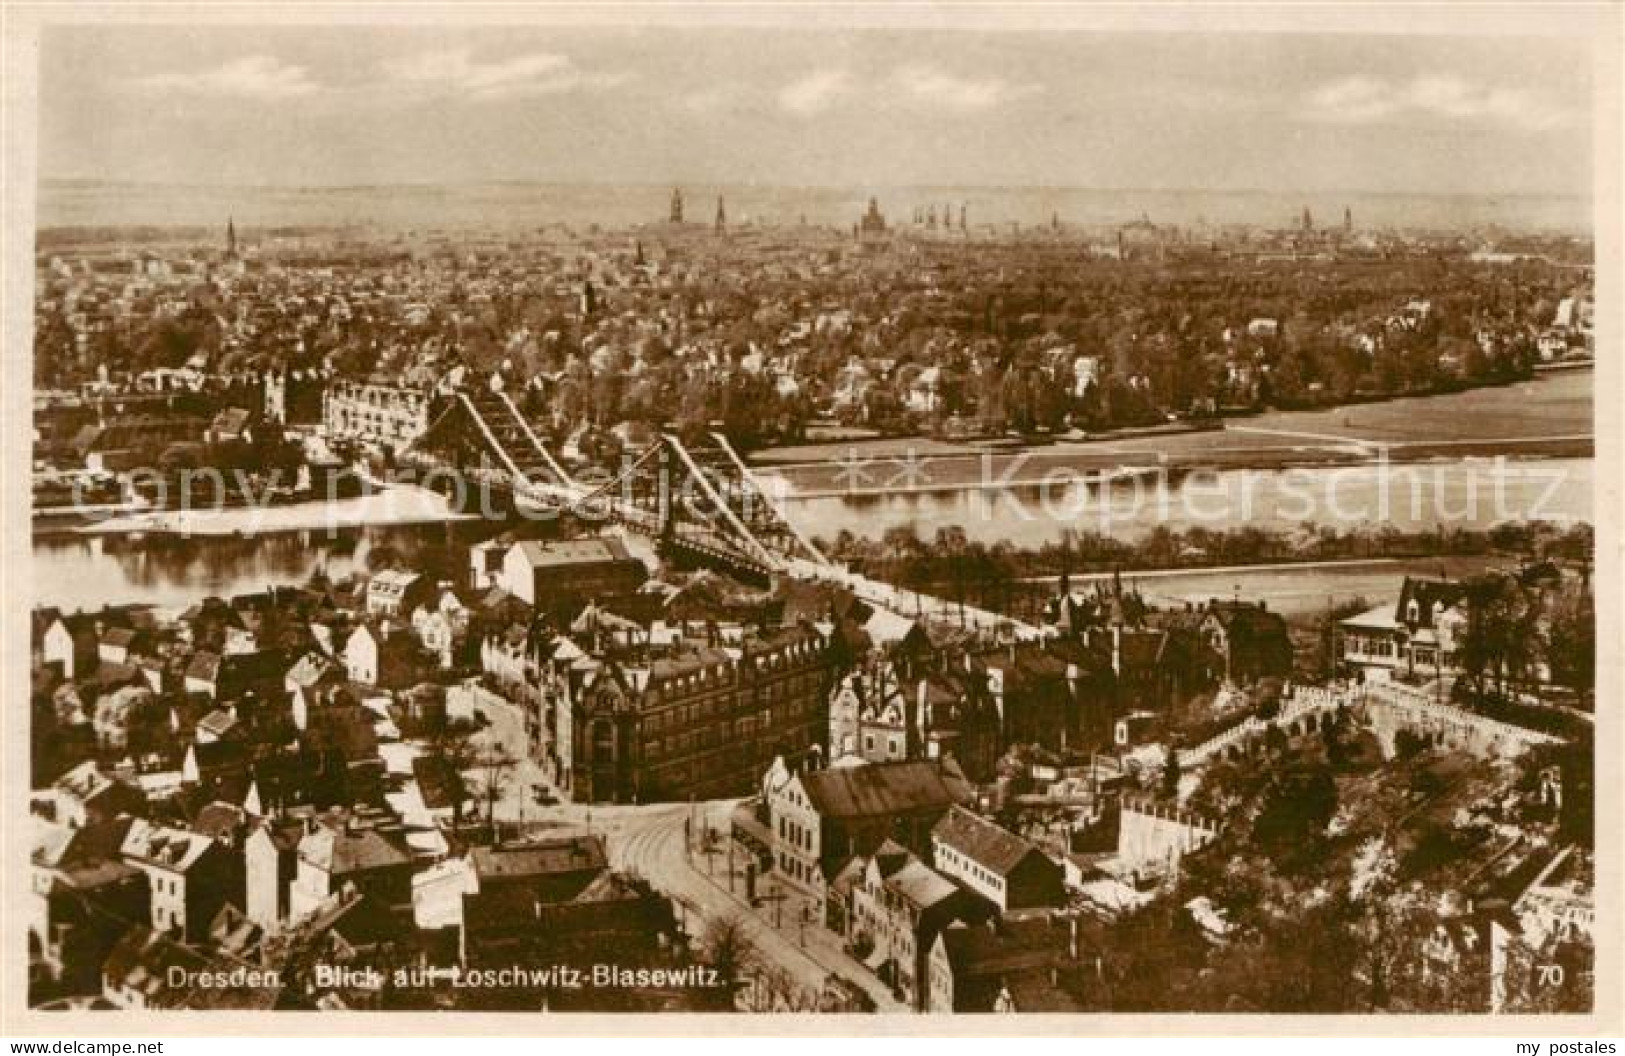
(270, 856)
(71, 643)
(123, 645)
(996, 864)
(1250, 641)
(511, 880)
(899, 907)
(821, 819)
(382, 655)
(309, 682)
(394, 593)
(86, 796)
(191, 876)
(203, 673)
(343, 848)
(542, 573)
(77, 884)
(209, 761)
(1009, 966)
(1419, 633)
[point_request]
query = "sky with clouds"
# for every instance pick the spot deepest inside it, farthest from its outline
(343, 106)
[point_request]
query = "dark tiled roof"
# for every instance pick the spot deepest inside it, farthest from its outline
(204, 665)
(562, 552)
(341, 850)
(982, 841)
(1427, 592)
(219, 820)
(213, 755)
(284, 833)
(542, 857)
(885, 788)
(1247, 619)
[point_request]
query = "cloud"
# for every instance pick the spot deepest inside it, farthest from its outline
(1362, 99)
(816, 92)
(521, 76)
(935, 87)
(250, 77)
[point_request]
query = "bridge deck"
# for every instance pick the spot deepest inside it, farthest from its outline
(705, 499)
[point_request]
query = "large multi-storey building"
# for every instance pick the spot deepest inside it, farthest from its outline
(638, 715)
(567, 571)
(818, 820)
(366, 410)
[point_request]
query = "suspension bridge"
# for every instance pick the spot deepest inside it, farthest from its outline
(695, 498)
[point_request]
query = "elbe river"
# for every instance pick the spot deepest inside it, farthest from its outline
(86, 571)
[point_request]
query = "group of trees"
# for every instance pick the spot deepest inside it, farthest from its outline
(1002, 326)
(1335, 902)
(990, 576)
(1175, 337)
(1514, 629)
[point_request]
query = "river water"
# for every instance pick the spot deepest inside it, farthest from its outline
(76, 572)
(1472, 493)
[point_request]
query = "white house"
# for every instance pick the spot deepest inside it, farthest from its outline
(361, 655)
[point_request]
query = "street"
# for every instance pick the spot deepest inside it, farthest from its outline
(504, 738)
(648, 840)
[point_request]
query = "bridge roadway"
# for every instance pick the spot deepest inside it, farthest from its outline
(752, 551)
(908, 602)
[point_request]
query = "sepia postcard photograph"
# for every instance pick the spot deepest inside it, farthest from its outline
(620, 513)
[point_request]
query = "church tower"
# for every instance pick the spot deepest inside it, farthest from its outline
(722, 215)
(676, 205)
(231, 239)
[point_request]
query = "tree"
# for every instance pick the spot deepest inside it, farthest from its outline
(1170, 774)
(1553, 977)
(1389, 924)
(1334, 735)
(493, 777)
(729, 951)
(453, 746)
(1571, 643)
(1295, 808)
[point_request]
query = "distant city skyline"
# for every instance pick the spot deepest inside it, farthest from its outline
(349, 106)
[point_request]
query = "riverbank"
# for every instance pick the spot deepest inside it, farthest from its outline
(1297, 571)
(399, 504)
(860, 474)
(1292, 588)
(1549, 417)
